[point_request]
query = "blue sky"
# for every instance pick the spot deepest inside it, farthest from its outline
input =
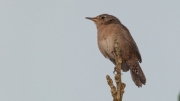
(49, 50)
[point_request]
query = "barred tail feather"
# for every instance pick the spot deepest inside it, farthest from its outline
(137, 74)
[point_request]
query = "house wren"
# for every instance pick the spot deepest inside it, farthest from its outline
(108, 26)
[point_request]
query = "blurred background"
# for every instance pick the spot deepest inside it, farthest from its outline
(49, 52)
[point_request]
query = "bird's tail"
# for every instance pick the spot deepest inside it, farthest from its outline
(137, 74)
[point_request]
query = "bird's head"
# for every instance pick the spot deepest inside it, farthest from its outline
(104, 19)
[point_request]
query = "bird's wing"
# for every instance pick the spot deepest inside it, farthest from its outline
(132, 43)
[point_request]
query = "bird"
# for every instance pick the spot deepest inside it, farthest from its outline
(108, 26)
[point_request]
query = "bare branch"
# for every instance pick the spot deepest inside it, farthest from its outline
(118, 91)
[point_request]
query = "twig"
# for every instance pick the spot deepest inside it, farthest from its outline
(113, 88)
(117, 92)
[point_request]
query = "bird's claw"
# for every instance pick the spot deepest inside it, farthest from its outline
(115, 70)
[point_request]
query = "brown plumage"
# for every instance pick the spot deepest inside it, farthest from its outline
(107, 26)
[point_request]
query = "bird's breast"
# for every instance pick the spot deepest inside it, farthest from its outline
(106, 44)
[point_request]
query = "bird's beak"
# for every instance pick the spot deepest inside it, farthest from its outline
(93, 19)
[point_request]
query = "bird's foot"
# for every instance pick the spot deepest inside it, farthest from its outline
(116, 71)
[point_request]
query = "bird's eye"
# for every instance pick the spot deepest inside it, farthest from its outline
(102, 17)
